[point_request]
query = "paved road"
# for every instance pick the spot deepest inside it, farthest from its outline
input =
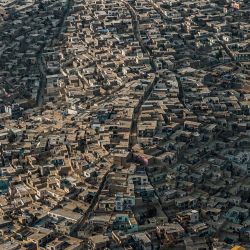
(133, 127)
(40, 60)
(145, 50)
(43, 79)
(95, 199)
(137, 110)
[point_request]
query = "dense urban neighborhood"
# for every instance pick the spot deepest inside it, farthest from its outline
(124, 124)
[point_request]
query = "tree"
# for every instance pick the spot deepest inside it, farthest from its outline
(11, 137)
(219, 54)
(41, 6)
